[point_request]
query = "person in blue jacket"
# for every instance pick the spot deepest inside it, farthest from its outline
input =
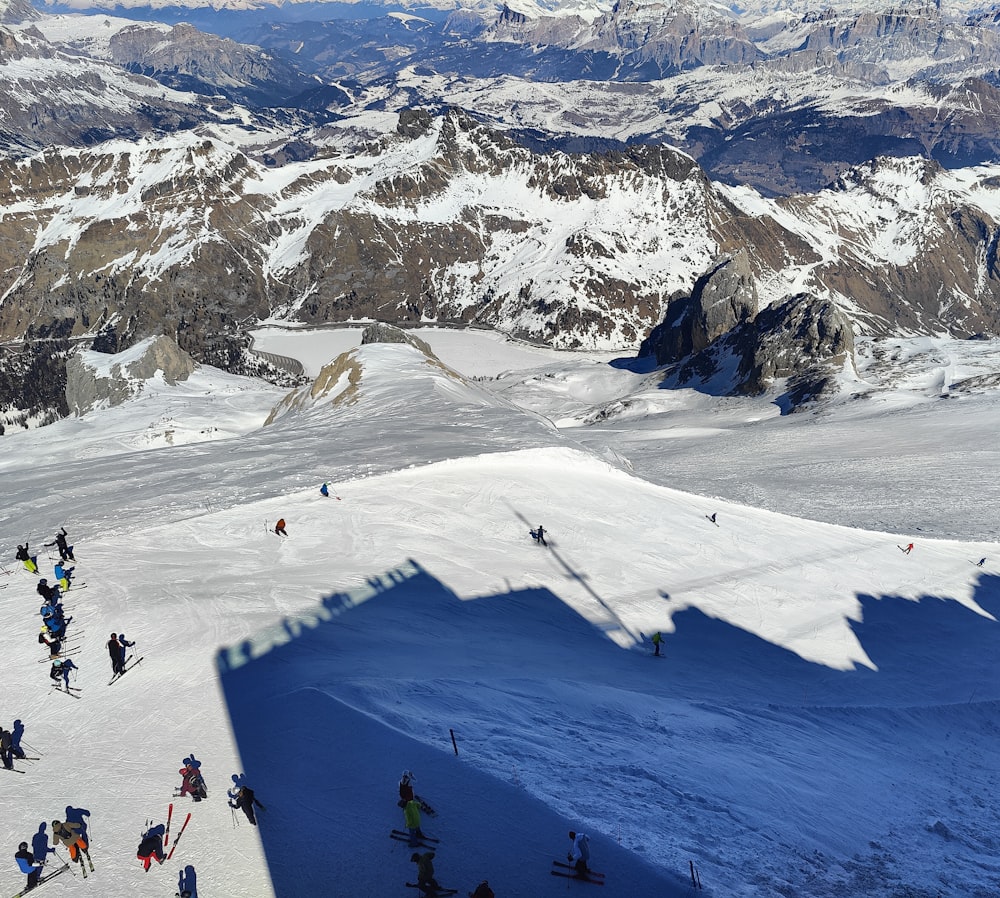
(26, 861)
(324, 491)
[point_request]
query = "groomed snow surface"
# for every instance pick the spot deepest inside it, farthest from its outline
(823, 721)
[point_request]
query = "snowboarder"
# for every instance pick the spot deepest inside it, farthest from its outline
(65, 550)
(29, 866)
(15, 739)
(244, 799)
(411, 818)
(151, 848)
(538, 535)
(77, 844)
(60, 669)
(483, 890)
(324, 491)
(579, 857)
(192, 783)
(657, 639)
(29, 561)
(425, 872)
(908, 549)
(6, 749)
(279, 528)
(117, 655)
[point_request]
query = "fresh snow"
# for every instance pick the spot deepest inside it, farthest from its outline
(823, 722)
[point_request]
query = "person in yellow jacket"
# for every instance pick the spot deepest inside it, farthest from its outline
(411, 817)
(657, 639)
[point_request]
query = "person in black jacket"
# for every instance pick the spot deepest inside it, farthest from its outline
(151, 848)
(117, 655)
(65, 550)
(245, 800)
(6, 748)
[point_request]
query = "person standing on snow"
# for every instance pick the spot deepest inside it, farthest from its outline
(579, 857)
(63, 575)
(6, 749)
(123, 646)
(29, 561)
(411, 819)
(657, 639)
(61, 669)
(245, 800)
(425, 872)
(117, 656)
(65, 550)
(29, 866)
(279, 528)
(539, 535)
(77, 844)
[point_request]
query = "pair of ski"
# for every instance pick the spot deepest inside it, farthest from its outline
(45, 878)
(423, 842)
(69, 690)
(166, 835)
(592, 875)
(435, 893)
(128, 667)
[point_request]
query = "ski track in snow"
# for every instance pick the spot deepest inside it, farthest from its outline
(823, 722)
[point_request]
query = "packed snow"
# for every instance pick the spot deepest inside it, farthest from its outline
(822, 721)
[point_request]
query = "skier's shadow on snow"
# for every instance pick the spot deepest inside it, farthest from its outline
(187, 881)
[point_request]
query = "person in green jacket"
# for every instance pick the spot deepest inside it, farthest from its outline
(657, 639)
(411, 817)
(425, 872)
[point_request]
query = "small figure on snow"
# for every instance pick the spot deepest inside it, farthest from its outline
(279, 528)
(151, 847)
(657, 639)
(117, 655)
(60, 670)
(6, 749)
(63, 575)
(46, 638)
(191, 780)
(483, 890)
(48, 593)
(981, 562)
(425, 872)
(65, 550)
(29, 866)
(76, 843)
(711, 517)
(123, 646)
(29, 561)
(411, 818)
(579, 857)
(244, 799)
(324, 491)
(907, 550)
(538, 535)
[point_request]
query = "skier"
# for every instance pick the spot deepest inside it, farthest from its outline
(46, 638)
(63, 575)
(6, 748)
(411, 819)
(65, 550)
(29, 561)
(483, 890)
(117, 655)
(539, 535)
(405, 788)
(981, 562)
(77, 844)
(908, 549)
(244, 799)
(151, 848)
(26, 861)
(123, 646)
(711, 517)
(425, 872)
(580, 855)
(15, 739)
(279, 528)
(48, 593)
(192, 783)
(61, 668)
(657, 639)
(324, 491)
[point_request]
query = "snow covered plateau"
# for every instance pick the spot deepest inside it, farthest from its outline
(822, 723)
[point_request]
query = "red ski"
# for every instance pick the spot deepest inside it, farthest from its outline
(170, 813)
(181, 833)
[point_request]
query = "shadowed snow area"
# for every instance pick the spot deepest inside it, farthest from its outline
(822, 723)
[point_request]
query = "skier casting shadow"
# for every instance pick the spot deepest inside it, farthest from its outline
(151, 847)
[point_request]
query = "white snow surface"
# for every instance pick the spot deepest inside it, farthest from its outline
(823, 722)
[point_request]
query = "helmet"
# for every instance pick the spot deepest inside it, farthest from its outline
(23, 846)
(43, 580)
(57, 663)
(572, 834)
(114, 635)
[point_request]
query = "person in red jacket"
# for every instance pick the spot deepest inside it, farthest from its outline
(279, 528)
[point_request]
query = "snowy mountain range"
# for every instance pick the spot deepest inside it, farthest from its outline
(821, 722)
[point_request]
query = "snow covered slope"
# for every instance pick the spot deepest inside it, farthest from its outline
(823, 702)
